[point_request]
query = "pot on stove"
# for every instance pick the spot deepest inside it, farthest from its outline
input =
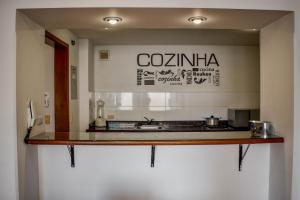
(212, 121)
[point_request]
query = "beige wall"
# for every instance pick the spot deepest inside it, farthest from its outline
(276, 42)
(296, 139)
(31, 72)
(35, 75)
(49, 86)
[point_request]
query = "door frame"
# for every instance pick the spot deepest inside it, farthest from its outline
(61, 82)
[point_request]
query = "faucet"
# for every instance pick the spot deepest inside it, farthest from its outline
(149, 121)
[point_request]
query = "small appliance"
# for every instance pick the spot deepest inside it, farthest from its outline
(239, 118)
(100, 120)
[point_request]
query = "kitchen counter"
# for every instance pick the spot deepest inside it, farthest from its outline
(150, 138)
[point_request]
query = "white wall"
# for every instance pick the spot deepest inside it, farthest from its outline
(91, 83)
(276, 42)
(238, 65)
(180, 172)
(116, 83)
(8, 70)
(91, 69)
(176, 36)
(84, 84)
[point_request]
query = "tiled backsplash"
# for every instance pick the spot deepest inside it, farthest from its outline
(172, 106)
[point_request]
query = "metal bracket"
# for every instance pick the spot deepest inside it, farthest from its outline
(242, 155)
(152, 155)
(71, 152)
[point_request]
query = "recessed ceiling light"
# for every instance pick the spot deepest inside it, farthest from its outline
(197, 19)
(112, 20)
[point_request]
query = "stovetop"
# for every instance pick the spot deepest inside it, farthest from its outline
(164, 126)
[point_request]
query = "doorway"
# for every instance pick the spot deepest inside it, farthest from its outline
(61, 82)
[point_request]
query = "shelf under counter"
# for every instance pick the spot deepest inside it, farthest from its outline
(150, 138)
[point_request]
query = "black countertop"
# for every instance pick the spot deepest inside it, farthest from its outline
(166, 126)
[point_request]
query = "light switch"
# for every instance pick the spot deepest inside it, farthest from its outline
(47, 119)
(74, 82)
(46, 99)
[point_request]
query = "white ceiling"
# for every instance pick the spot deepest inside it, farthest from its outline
(171, 37)
(88, 23)
(91, 18)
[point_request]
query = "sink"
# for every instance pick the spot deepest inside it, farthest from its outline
(149, 127)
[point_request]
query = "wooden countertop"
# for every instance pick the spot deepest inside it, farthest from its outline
(152, 138)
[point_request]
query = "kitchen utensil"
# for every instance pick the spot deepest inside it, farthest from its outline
(253, 124)
(266, 129)
(261, 128)
(212, 121)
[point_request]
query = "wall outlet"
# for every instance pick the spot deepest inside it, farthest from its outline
(110, 116)
(47, 119)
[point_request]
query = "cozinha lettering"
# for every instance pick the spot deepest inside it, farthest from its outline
(176, 60)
